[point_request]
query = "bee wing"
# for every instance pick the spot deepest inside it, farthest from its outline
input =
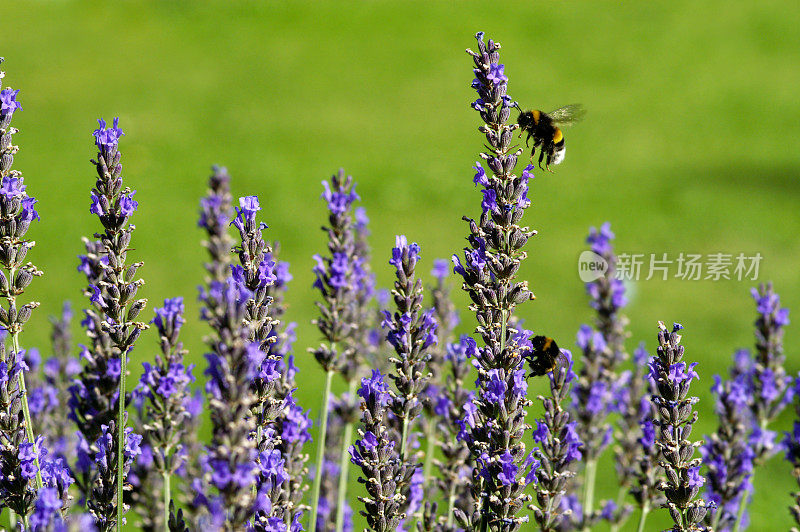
(562, 361)
(568, 115)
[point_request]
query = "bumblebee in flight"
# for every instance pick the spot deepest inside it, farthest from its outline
(546, 356)
(545, 128)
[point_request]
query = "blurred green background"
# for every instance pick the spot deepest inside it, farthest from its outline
(690, 146)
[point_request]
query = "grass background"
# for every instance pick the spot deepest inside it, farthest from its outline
(690, 146)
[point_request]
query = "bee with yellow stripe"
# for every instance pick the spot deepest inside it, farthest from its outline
(545, 129)
(545, 356)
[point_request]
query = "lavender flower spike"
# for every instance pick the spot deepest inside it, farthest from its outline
(216, 212)
(791, 446)
(164, 390)
(728, 453)
(114, 297)
(229, 465)
(559, 446)
(489, 272)
(770, 387)
(411, 332)
(374, 452)
(769, 380)
(342, 280)
(672, 377)
(17, 212)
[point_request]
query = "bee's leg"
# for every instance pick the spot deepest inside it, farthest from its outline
(547, 164)
(528, 140)
(541, 156)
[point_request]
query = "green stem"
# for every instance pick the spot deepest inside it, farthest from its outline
(344, 465)
(451, 503)
(404, 440)
(431, 436)
(588, 490)
(620, 497)
(166, 499)
(323, 427)
(27, 413)
(12, 519)
(643, 517)
(121, 438)
(742, 505)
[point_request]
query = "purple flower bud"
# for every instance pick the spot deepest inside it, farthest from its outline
(107, 138)
(8, 102)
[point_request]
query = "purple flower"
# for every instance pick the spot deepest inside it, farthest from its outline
(572, 440)
(97, 296)
(8, 102)
(441, 269)
(47, 510)
(600, 240)
(402, 251)
(12, 188)
(171, 314)
(542, 432)
(339, 201)
(496, 74)
(106, 139)
(508, 471)
(480, 176)
(296, 423)
(246, 212)
(374, 388)
(695, 479)
(127, 205)
(495, 388)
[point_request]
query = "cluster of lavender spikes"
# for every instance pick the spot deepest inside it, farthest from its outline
(435, 454)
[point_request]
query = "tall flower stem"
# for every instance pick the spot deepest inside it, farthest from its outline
(430, 436)
(451, 502)
(27, 413)
(323, 426)
(643, 517)
(588, 488)
(121, 419)
(344, 465)
(167, 490)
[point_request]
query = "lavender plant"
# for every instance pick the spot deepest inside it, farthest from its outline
(601, 389)
(791, 447)
(411, 332)
(374, 452)
(164, 390)
(559, 446)
(489, 272)
(216, 212)
(479, 474)
(114, 300)
(446, 317)
(49, 412)
(672, 377)
(292, 423)
(728, 453)
(19, 481)
(343, 409)
(339, 278)
(229, 463)
(641, 462)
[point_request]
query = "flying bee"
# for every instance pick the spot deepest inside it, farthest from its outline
(545, 128)
(546, 356)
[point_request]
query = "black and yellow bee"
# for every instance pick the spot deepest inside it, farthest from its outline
(546, 356)
(545, 128)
